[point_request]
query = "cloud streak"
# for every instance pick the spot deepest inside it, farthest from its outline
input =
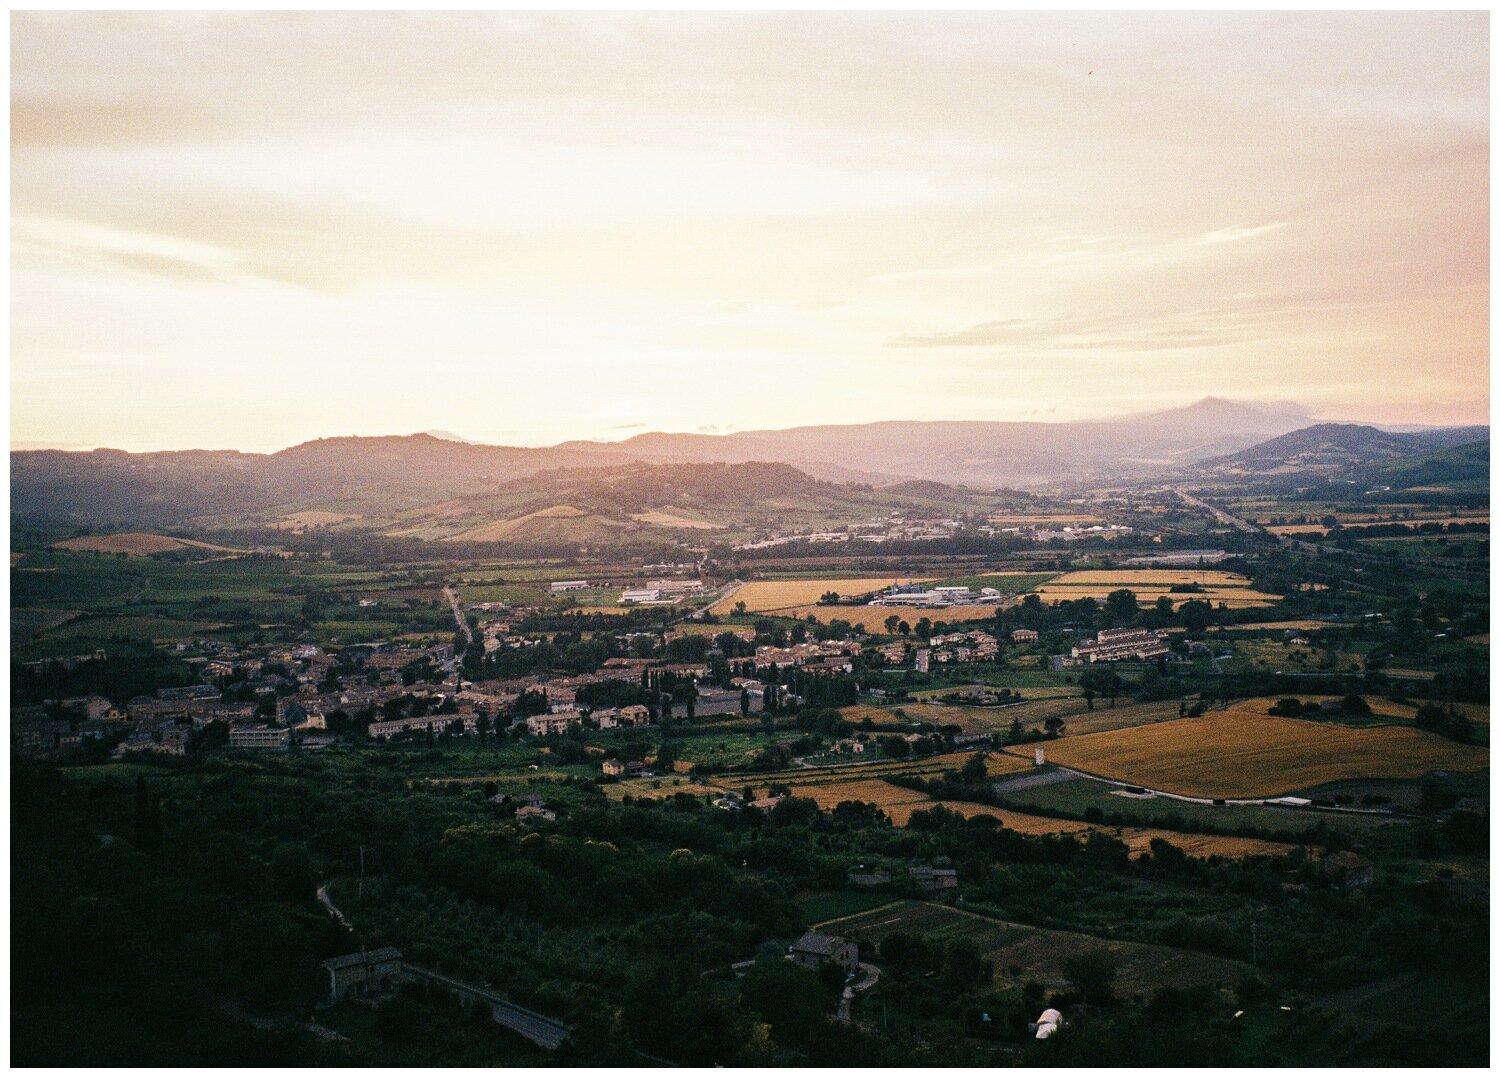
(1155, 331)
(1242, 232)
(670, 219)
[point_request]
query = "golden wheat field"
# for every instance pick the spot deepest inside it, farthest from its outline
(1044, 518)
(1263, 626)
(1139, 841)
(900, 813)
(763, 596)
(1243, 752)
(880, 716)
(1231, 589)
(899, 804)
(674, 520)
(497, 530)
(1070, 708)
(1353, 525)
(137, 543)
(654, 789)
(871, 791)
(313, 518)
(1156, 578)
(873, 617)
(1378, 706)
(1080, 720)
(1232, 599)
(968, 718)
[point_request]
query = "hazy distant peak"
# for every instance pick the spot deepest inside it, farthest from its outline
(449, 436)
(1216, 408)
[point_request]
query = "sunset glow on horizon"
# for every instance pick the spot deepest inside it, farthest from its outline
(251, 230)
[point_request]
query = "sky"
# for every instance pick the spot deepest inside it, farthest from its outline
(247, 230)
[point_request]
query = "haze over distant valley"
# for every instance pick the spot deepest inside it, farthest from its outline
(437, 486)
(530, 228)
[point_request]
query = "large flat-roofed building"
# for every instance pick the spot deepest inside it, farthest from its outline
(955, 593)
(676, 587)
(260, 737)
(363, 975)
(567, 585)
(1112, 645)
(436, 724)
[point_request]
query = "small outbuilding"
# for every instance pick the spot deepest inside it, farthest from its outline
(817, 949)
(935, 881)
(364, 975)
(1050, 1022)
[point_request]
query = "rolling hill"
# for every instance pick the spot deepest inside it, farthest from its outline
(434, 486)
(688, 502)
(1461, 465)
(991, 454)
(1354, 450)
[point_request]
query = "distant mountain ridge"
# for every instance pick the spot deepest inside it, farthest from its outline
(400, 473)
(988, 454)
(1332, 447)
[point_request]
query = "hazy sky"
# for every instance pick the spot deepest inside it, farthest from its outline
(248, 230)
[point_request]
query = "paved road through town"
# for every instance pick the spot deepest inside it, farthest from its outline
(458, 615)
(1218, 514)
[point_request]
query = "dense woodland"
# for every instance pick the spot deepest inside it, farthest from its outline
(149, 912)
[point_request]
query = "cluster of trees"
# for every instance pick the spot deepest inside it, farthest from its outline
(566, 652)
(611, 917)
(1290, 707)
(1119, 609)
(128, 669)
(1446, 720)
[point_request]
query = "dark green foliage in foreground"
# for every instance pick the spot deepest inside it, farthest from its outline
(159, 908)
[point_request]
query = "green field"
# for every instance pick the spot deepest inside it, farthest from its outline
(67, 603)
(996, 676)
(1076, 797)
(1005, 584)
(1390, 1001)
(82, 634)
(1022, 953)
(841, 904)
(521, 593)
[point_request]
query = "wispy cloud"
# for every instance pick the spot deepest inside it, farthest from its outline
(1240, 232)
(1162, 330)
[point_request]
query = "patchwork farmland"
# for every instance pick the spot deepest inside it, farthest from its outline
(899, 804)
(996, 764)
(872, 617)
(1020, 953)
(1215, 586)
(1244, 752)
